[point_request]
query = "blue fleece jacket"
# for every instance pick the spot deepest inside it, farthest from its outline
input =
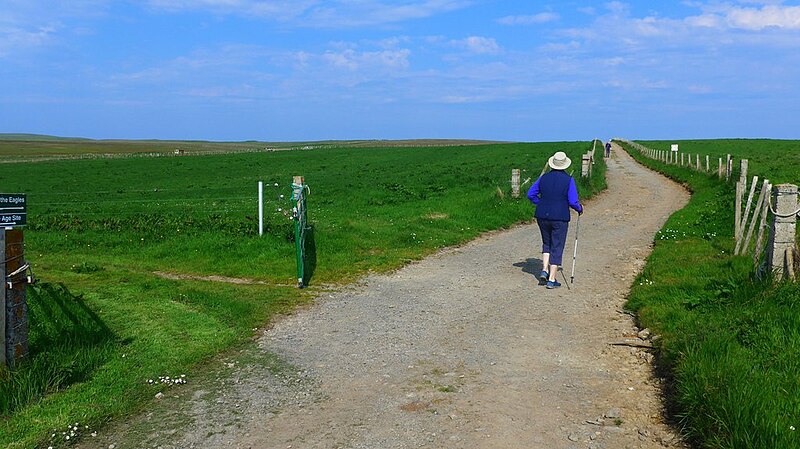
(553, 194)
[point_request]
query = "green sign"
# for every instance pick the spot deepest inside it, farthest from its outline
(13, 209)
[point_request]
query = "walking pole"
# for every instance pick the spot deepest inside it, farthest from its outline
(575, 250)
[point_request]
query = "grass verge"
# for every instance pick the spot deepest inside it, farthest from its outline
(103, 324)
(730, 344)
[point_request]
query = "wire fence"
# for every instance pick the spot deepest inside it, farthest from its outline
(774, 247)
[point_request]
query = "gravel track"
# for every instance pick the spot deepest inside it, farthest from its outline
(461, 350)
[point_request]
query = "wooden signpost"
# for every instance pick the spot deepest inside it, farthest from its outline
(13, 276)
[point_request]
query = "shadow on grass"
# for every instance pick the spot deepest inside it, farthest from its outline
(310, 261)
(67, 341)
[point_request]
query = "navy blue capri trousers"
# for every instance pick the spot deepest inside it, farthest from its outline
(554, 237)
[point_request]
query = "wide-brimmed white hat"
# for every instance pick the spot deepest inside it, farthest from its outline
(559, 161)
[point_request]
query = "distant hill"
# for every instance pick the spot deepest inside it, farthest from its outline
(38, 137)
(22, 147)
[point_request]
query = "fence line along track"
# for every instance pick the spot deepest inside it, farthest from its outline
(775, 235)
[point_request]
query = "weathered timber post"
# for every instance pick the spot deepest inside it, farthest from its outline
(762, 225)
(585, 165)
(16, 302)
(720, 171)
(682, 162)
(515, 182)
(743, 223)
(728, 168)
(698, 161)
(737, 229)
(708, 165)
(784, 201)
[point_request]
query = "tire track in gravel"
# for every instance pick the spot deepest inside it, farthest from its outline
(461, 350)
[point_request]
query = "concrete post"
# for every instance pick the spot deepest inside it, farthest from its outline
(743, 172)
(515, 183)
(782, 233)
(585, 164)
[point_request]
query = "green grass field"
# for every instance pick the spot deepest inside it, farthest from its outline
(730, 343)
(103, 324)
(779, 160)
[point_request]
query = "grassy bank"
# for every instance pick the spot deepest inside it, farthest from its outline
(729, 342)
(103, 323)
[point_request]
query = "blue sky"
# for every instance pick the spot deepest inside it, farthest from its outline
(287, 70)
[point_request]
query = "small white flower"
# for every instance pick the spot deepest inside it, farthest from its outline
(791, 428)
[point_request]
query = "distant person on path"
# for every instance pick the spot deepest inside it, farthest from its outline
(608, 149)
(553, 194)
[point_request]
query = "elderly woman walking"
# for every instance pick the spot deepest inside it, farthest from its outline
(553, 194)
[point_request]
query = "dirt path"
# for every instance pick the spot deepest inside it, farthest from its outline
(461, 350)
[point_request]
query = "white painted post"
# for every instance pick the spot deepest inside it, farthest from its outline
(708, 165)
(682, 162)
(720, 171)
(260, 208)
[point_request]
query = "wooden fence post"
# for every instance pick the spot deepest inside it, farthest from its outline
(782, 235)
(737, 232)
(16, 301)
(762, 226)
(720, 172)
(515, 183)
(708, 165)
(743, 223)
(3, 345)
(728, 168)
(762, 200)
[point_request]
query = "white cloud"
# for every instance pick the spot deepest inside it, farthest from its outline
(354, 60)
(27, 24)
(787, 17)
(478, 45)
(318, 13)
(533, 19)
(16, 39)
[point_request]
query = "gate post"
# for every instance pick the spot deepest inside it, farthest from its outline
(784, 222)
(3, 297)
(16, 332)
